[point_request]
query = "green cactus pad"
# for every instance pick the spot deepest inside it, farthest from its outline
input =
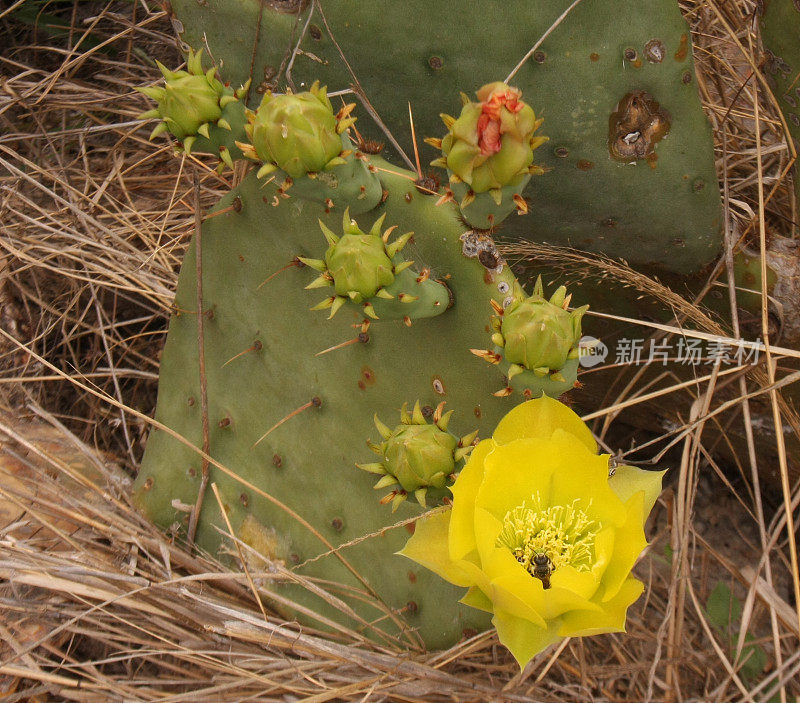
(291, 414)
(487, 210)
(584, 72)
(349, 185)
(780, 32)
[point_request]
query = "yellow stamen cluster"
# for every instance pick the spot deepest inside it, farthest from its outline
(565, 533)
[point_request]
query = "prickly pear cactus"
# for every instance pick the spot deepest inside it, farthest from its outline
(628, 143)
(292, 397)
(283, 398)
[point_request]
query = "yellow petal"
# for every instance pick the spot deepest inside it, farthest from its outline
(524, 468)
(603, 551)
(628, 480)
(629, 541)
(476, 598)
(585, 477)
(523, 639)
(428, 547)
(462, 527)
(558, 601)
(487, 528)
(583, 584)
(512, 589)
(538, 418)
(580, 623)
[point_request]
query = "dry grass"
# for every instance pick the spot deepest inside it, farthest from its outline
(98, 605)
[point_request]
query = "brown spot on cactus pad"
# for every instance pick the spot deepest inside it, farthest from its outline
(435, 62)
(654, 50)
(636, 126)
(683, 48)
(288, 7)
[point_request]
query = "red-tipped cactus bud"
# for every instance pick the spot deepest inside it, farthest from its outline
(491, 144)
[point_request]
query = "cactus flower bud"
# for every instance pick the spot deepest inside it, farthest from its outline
(366, 268)
(189, 102)
(298, 133)
(359, 265)
(491, 144)
(197, 109)
(536, 342)
(538, 333)
(417, 456)
(488, 152)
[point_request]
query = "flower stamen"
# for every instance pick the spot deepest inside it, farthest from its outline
(564, 533)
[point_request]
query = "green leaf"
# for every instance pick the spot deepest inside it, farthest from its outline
(754, 658)
(723, 608)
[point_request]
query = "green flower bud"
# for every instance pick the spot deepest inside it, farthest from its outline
(189, 102)
(420, 455)
(197, 109)
(298, 133)
(359, 264)
(417, 456)
(539, 333)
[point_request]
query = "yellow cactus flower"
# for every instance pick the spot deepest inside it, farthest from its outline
(541, 535)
